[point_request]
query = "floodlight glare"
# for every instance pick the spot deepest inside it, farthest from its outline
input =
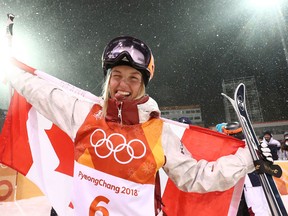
(261, 4)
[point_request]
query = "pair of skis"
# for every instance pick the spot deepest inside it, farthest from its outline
(271, 192)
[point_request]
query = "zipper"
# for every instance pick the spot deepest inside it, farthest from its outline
(119, 107)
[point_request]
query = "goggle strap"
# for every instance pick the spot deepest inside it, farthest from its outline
(229, 132)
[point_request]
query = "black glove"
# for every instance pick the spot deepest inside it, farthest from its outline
(265, 163)
(262, 166)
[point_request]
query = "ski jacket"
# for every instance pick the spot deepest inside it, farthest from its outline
(283, 152)
(149, 145)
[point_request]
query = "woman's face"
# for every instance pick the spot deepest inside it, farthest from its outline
(125, 83)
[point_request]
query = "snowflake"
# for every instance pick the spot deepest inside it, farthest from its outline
(148, 168)
(131, 173)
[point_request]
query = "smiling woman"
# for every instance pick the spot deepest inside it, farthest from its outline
(197, 46)
(127, 143)
(125, 83)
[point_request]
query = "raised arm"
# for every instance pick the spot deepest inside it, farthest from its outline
(201, 176)
(64, 110)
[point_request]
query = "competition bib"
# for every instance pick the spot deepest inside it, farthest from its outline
(98, 193)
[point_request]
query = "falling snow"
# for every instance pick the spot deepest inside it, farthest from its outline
(196, 45)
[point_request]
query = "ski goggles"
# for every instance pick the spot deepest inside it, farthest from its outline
(130, 51)
(231, 132)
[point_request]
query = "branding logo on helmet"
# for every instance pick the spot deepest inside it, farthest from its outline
(125, 59)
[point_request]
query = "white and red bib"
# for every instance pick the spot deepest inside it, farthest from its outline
(115, 166)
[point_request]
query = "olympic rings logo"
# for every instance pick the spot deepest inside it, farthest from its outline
(106, 141)
(9, 191)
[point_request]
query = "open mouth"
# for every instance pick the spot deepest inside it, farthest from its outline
(121, 95)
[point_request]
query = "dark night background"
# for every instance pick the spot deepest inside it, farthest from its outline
(196, 44)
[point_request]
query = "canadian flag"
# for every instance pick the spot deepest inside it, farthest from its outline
(205, 144)
(32, 145)
(38, 149)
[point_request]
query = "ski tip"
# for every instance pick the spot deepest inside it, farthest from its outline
(241, 85)
(226, 96)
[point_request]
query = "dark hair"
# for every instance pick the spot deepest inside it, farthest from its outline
(185, 120)
(267, 132)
